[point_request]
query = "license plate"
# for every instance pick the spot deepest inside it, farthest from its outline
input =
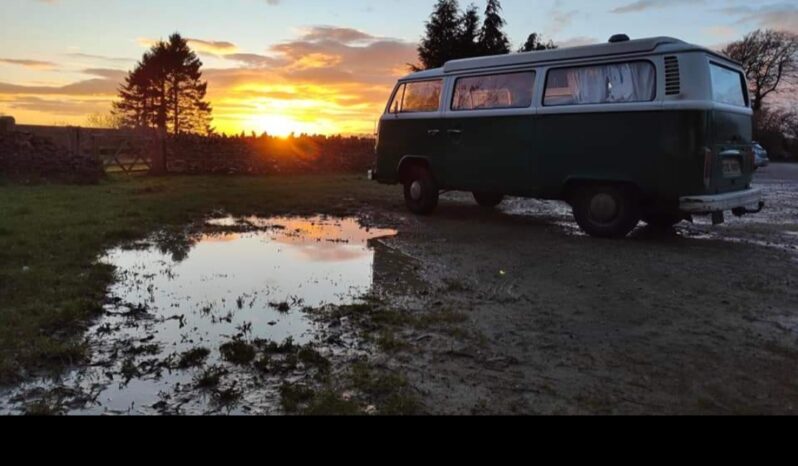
(731, 168)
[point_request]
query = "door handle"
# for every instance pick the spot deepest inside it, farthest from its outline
(455, 132)
(434, 132)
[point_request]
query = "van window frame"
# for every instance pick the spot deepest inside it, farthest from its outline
(654, 99)
(743, 83)
(403, 86)
(457, 78)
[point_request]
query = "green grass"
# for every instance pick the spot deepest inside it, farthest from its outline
(52, 235)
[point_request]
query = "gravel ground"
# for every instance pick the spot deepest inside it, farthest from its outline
(700, 319)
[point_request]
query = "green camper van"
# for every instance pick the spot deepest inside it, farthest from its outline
(654, 130)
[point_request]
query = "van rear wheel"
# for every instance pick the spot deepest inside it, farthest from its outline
(488, 200)
(421, 191)
(606, 211)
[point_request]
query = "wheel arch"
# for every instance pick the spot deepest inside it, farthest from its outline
(573, 184)
(409, 161)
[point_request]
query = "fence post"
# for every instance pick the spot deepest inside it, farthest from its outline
(158, 157)
(95, 150)
(7, 124)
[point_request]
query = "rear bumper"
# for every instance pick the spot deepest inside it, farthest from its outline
(750, 200)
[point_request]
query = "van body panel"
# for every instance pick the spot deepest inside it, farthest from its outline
(490, 153)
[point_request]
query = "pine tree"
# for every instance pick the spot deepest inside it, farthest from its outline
(165, 91)
(492, 40)
(535, 43)
(468, 37)
(442, 33)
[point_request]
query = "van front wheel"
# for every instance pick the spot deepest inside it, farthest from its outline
(421, 191)
(488, 200)
(606, 211)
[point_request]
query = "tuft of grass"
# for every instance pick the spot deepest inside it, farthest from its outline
(390, 391)
(271, 347)
(193, 358)
(329, 403)
(388, 342)
(292, 397)
(210, 378)
(42, 408)
(238, 352)
(311, 357)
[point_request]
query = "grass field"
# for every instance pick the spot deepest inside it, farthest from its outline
(51, 236)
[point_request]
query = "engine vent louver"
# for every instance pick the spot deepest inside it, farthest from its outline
(673, 82)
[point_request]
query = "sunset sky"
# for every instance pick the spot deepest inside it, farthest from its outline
(318, 66)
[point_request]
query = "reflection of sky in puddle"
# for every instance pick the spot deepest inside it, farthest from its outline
(303, 262)
(229, 285)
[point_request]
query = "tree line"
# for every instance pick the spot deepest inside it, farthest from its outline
(452, 33)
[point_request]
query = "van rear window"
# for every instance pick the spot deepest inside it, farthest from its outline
(419, 96)
(601, 84)
(727, 86)
(513, 90)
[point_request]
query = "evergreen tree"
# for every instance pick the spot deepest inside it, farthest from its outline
(535, 43)
(165, 91)
(492, 40)
(439, 44)
(468, 37)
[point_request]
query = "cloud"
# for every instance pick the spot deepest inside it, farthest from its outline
(212, 47)
(781, 16)
(208, 47)
(577, 42)
(338, 34)
(89, 56)
(31, 64)
(721, 32)
(643, 5)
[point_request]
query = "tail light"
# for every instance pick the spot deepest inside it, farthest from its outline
(750, 156)
(707, 167)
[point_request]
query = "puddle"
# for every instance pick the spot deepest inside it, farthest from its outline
(242, 280)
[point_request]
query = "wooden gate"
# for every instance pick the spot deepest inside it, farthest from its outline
(124, 151)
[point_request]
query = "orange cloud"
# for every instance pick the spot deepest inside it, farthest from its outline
(32, 64)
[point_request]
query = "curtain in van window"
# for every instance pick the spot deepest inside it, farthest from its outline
(614, 83)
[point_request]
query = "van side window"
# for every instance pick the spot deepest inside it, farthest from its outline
(421, 96)
(512, 90)
(727, 86)
(396, 103)
(601, 84)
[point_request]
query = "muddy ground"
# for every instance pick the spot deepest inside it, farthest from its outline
(701, 319)
(512, 311)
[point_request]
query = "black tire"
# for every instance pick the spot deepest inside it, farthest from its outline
(606, 211)
(488, 200)
(662, 221)
(421, 191)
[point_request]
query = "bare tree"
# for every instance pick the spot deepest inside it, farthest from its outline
(770, 59)
(104, 120)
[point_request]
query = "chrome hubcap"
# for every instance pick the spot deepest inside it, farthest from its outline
(415, 191)
(603, 207)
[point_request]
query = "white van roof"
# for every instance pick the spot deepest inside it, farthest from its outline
(649, 45)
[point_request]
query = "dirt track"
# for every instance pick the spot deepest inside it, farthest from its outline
(698, 320)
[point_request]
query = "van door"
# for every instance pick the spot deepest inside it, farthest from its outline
(413, 127)
(490, 132)
(732, 161)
